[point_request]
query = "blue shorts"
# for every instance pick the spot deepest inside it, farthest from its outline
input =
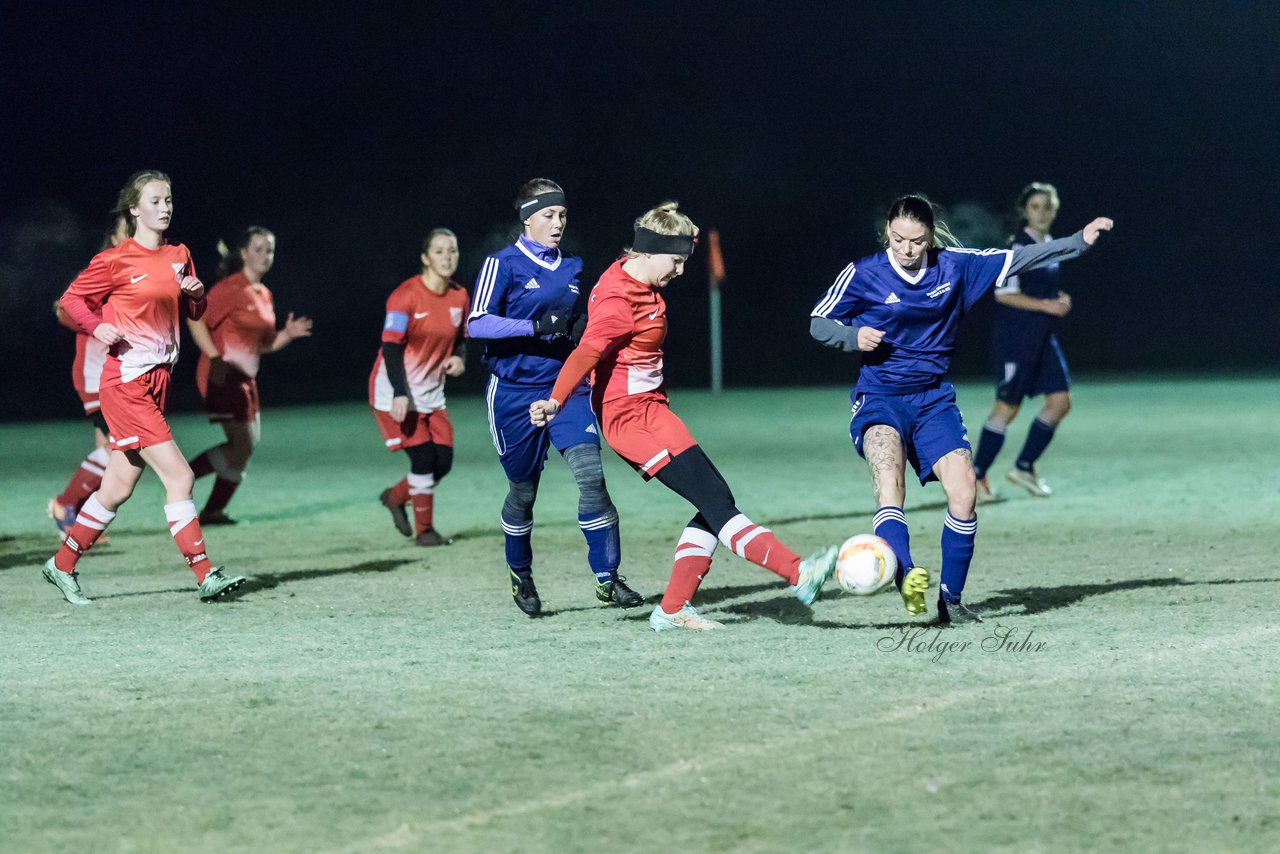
(929, 423)
(1044, 373)
(522, 447)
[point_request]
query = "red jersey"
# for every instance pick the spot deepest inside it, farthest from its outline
(242, 322)
(144, 303)
(430, 327)
(626, 325)
(91, 355)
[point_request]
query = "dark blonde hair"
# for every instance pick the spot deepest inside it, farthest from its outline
(433, 234)
(918, 208)
(131, 194)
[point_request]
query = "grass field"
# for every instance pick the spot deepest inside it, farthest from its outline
(363, 694)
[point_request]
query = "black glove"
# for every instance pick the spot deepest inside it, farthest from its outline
(579, 327)
(553, 323)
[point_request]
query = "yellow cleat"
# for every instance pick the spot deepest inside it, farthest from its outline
(914, 585)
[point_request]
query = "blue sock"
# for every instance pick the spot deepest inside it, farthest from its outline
(989, 445)
(518, 536)
(604, 546)
(1038, 438)
(957, 553)
(890, 525)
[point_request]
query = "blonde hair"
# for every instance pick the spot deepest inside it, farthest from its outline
(918, 208)
(1035, 188)
(131, 194)
(665, 219)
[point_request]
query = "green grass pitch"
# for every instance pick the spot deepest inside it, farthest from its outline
(363, 694)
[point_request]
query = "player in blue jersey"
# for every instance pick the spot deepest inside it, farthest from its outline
(901, 308)
(1024, 346)
(524, 309)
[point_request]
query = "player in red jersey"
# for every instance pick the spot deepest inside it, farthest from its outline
(238, 327)
(86, 373)
(622, 347)
(141, 286)
(423, 341)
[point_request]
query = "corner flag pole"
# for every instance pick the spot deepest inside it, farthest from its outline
(715, 276)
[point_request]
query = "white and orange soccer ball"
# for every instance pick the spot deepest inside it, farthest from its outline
(866, 565)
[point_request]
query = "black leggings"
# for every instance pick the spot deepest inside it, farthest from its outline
(696, 479)
(430, 459)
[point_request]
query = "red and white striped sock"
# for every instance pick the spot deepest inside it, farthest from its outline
(400, 492)
(86, 480)
(422, 489)
(758, 545)
(185, 529)
(692, 563)
(92, 520)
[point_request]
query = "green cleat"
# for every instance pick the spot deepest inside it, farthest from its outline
(67, 582)
(914, 585)
(216, 585)
(815, 571)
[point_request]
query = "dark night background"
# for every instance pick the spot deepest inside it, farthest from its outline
(352, 129)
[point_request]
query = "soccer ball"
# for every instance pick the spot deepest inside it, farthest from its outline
(866, 565)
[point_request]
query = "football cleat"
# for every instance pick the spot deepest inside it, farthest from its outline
(955, 613)
(525, 594)
(815, 571)
(616, 592)
(431, 537)
(686, 618)
(68, 583)
(985, 494)
(216, 585)
(1028, 481)
(63, 515)
(217, 517)
(398, 517)
(914, 585)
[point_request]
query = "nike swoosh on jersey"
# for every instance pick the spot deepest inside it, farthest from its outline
(198, 543)
(133, 280)
(420, 315)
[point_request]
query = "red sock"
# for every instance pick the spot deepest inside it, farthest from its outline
(223, 489)
(422, 494)
(692, 563)
(86, 480)
(186, 532)
(759, 545)
(201, 465)
(400, 492)
(92, 520)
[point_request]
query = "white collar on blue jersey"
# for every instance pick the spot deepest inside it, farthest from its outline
(915, 280)
(553, 265)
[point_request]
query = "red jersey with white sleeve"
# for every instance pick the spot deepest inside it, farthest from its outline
(241, 317)
(430, 326)
(626, 325)
(91, 355)
(143, 286)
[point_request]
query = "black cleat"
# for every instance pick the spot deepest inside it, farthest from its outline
(398, 516)
(432, 537)
(616, 592)
(525, 594)
(216, 517)
(955, 613)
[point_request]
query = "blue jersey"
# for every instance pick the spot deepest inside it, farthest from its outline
(514, 283)
(1018, 335)
(918, 312)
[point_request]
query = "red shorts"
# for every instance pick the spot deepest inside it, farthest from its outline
(418, 428)
(234, 399)
(135, 410)
(642, 429)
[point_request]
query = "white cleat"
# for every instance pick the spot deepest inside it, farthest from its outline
(1028, 481)
(985, 493)
(686, 618)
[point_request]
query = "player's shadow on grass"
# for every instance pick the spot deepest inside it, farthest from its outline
(271, 580)
(1038, 600)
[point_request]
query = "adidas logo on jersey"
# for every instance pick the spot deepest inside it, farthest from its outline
(891, 299)
(532, 284)
(591, 428)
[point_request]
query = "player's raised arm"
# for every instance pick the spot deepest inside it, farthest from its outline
(1062, 249)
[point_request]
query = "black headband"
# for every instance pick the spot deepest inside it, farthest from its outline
(653, 243)
(533, 204)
